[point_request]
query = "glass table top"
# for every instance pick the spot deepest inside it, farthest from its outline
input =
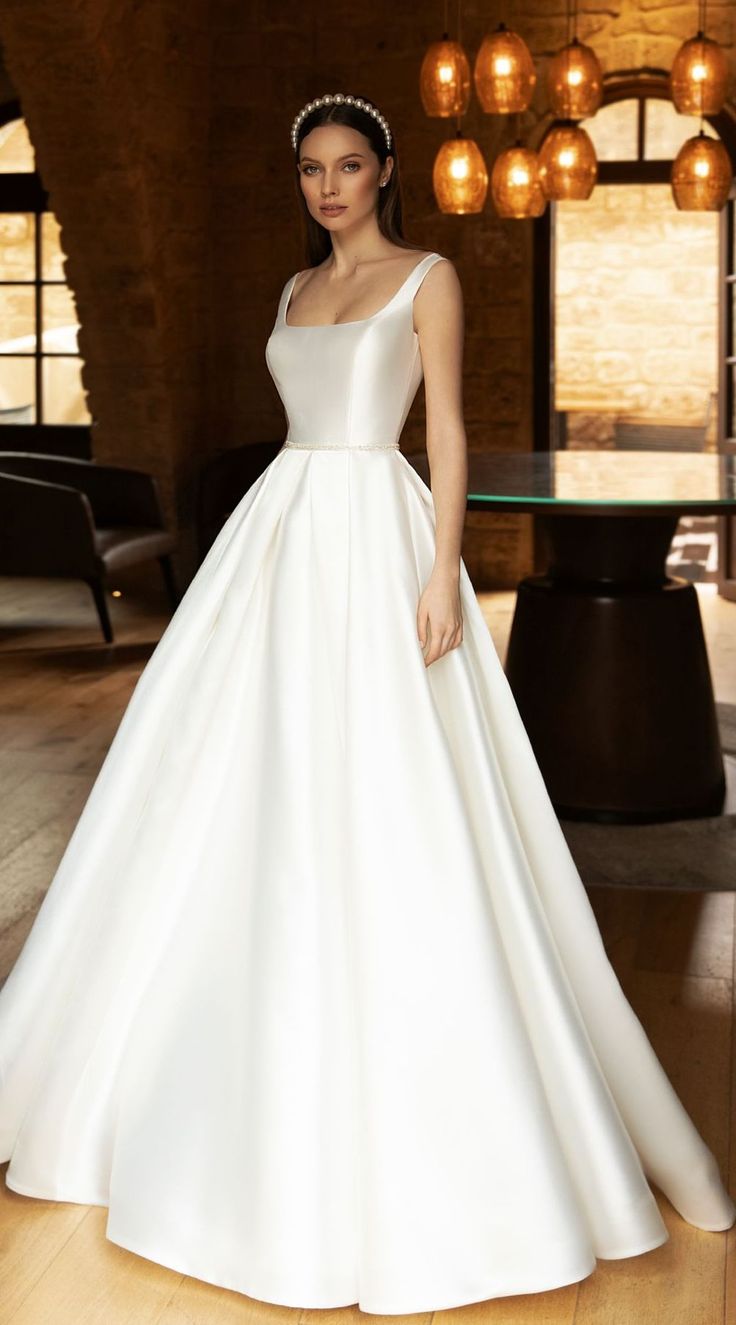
(547, 479)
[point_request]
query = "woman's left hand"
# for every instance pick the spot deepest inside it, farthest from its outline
(439, 616)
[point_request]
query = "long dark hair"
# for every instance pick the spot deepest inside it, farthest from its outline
(318, 244)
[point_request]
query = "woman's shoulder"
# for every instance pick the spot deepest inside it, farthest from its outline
(444, 268)
(441, 270)
(421, 253)
(440, 291)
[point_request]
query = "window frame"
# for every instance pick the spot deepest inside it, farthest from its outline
(644, 84)
(23, 192)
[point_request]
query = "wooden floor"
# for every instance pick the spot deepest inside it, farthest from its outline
(62, 694)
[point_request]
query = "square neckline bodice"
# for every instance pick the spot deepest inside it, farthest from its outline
(354, 322)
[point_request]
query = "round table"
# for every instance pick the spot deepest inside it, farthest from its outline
(606, 656)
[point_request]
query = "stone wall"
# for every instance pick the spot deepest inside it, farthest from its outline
(162, 133)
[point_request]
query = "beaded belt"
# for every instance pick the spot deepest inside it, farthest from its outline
(347, 446)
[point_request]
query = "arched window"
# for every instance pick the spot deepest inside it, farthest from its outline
(635, 300)
(40, 365)
(636, 295)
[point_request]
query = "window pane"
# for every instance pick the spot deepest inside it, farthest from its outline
(52, 254)
(613, 130)
(17, 319)
(17, 257)
(16, 152)
(17, 391)
(64, 400)
(636, 287)
(665, 130)
(59, 319)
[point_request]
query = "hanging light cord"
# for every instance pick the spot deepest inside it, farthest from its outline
(459, 39)
(702, 4)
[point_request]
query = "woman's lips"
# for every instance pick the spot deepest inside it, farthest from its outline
(332, 211)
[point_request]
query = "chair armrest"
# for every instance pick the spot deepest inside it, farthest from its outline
(118, 496)
(45, 529)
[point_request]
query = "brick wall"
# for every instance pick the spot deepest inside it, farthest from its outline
(162, 133)
(116, 99)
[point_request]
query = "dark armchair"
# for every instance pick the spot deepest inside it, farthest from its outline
(66, 517)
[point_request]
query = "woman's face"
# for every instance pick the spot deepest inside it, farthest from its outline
(338, 167)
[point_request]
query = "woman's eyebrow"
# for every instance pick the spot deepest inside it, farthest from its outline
(340, 158)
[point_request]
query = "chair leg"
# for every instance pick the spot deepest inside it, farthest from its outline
(167, 567)
(98, 591)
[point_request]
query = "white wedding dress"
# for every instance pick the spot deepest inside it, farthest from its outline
(316, 1002)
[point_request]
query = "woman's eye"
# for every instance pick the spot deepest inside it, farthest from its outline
(307, 169)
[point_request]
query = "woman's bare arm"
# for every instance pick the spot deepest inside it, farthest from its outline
(440, 324)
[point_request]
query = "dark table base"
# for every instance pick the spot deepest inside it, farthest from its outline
(608, 665)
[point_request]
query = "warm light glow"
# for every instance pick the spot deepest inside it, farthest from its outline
(444, 80)
(699, 77)
(575, 82)
(504, 73)
(568, 166)
(701, 175)
(460, 177)
(515, 185)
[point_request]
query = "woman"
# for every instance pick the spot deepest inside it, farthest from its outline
(316, 1003)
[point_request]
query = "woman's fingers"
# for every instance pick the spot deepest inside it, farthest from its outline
(442, 641)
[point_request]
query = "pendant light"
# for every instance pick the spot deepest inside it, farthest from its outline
(459, 176)
(701, 175)
(516, 188)
(575, 77)
(504, 72)
(444, 79)
(700, 74)
(568, 166)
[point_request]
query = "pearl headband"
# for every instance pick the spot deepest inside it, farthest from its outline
(338, 98)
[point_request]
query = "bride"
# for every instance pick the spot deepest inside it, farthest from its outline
(316, 1003)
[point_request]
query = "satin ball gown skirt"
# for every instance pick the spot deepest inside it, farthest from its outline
(316, 1003)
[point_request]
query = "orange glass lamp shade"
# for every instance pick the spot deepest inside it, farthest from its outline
(575, 82)
(568, 165)
(444, 79)
(504, 72)
(699, 77)
(701, 175)
(516, 188)
(459, 177)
